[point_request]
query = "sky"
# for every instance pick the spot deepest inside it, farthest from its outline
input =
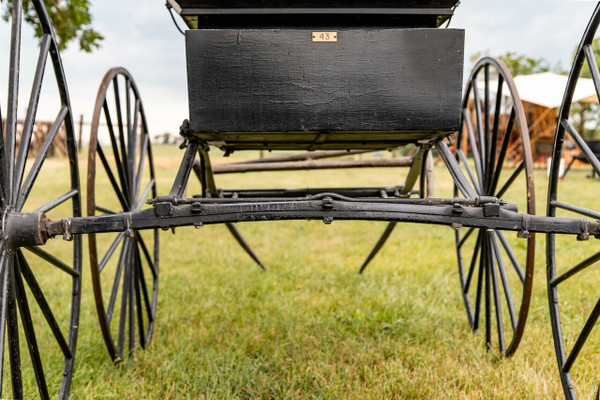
(140, 36)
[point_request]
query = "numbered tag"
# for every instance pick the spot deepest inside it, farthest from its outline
(324, 36)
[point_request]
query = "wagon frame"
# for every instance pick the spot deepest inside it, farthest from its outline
(464, 131)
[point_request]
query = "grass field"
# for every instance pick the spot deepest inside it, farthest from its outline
(311, 327)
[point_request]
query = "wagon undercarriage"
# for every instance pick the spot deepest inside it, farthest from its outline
(328, 205)
(311, 76)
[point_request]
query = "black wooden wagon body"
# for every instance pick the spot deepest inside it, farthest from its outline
(327, 77)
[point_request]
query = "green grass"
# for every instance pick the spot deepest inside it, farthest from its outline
(311, 327)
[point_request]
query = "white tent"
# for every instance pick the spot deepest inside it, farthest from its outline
(547, 89)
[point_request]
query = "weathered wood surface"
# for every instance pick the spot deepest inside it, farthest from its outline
(253, 85)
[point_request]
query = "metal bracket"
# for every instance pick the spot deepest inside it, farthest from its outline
(67, 230)
(525, 223)
(585, 230)
(127, 219)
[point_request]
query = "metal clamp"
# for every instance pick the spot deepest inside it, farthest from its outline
(127, 220)
(585, 230)
(67, 230)
(525, 224)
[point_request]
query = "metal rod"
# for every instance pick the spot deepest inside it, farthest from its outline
(113, 142)
(320, 207)
(457, 175)
(41, 157)
(577, 268)
(13, 95)
(503, 150)
(38, 294)
(310, 165)
(31, 113)
(505, 284)
(30, 336)
(185, 169)
(308, 155)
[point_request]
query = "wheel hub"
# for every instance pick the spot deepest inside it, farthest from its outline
(23, 229)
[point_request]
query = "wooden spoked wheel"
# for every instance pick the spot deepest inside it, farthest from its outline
(496, 268)
(121, 178)
(572, 266)
(40, 286)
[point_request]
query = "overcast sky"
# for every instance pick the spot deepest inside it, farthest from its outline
(140, 36)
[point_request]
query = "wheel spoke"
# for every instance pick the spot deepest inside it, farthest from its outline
(491, 170)
(130, 296)
(13, 95)
(511, 255)
(585, 149)
(140, 167)
(138, 296)
(576, 269)
(511, 179)
(41, 157)
(593, 67)
(129, 161)
(147, 255)
(582, 338)
(43, 304)
(114, 146)
(474, 148)
(132, 154)
(142, 280)
(479, 124)
(110, 251)
(13, 334)
(58, 201)
(44, 255)
(3, 312)
(463, 159)
(105, 210)
(479, 287)
(465, 237)
(576, 209)
(476, 253)
(503, 149)
(115, 286)
(31, 113)
(30, 336)
(496, 291)
(144, 195)
(122, 198)
(505, 284)
(3, 183)
(485, 257)
(124, 296)
(121, 133)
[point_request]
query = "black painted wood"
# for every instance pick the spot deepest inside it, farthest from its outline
(267, 88)
(314, 3)
(202, 14)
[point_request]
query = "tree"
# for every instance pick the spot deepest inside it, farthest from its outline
(71, 20)
(520, 64)
(585, 71)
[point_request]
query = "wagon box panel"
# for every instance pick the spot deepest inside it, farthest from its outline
(272, 81)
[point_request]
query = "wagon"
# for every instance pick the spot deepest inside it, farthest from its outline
(323, 77)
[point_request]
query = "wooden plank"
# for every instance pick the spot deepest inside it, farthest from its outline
(268, 85)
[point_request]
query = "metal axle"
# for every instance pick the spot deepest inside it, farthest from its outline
(482, 213)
